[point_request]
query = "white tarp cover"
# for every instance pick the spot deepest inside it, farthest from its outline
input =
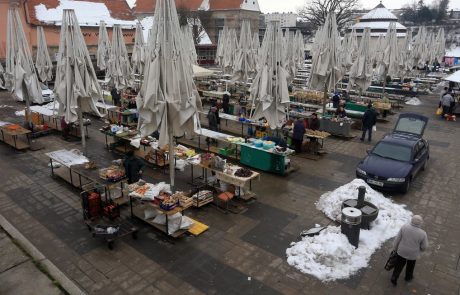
(43, 60)
(326, 69)
(245, 58)
(138, 55)
(455, 77)
(21, 77)
(76, 82)
(189, 44)
(200, 72)
(119, 72)
(103, 47)
(169, 102)
(269, 91)
(361, 69)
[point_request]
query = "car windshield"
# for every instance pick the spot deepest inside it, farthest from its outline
(391, 151)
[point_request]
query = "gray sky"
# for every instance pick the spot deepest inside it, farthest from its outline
(291, 5)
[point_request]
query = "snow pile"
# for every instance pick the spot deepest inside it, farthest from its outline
(414, 101)
(88, 13)
(329, 256)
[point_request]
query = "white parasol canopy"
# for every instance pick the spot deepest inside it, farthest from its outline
(103, 47)
(440, 46)
(138, 55)
(221, 46)
(350, 49)
(420, 47)
(169, 103)
(326, 69)
(230, 46)
(21, 76)
(390, 62)
(288, 54)
(43, 61)
(455, 77)
(269, 91)
(77, 89)
(406, 57)
(299, 49)
(190, 48)
(119, 72)
(361, 69)
(245, 58)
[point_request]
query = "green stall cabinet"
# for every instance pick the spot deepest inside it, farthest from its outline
(262, 160)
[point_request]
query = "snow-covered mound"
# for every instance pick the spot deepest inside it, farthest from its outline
(329, 256)
(414, 101)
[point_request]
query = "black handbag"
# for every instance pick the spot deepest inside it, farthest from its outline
(391, 262)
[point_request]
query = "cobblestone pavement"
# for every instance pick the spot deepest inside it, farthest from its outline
(240, 253)
(18, 273)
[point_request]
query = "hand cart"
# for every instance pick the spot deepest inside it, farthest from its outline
(103, 218)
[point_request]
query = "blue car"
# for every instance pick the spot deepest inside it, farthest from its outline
(396, 160)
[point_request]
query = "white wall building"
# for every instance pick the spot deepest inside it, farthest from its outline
(287, 20)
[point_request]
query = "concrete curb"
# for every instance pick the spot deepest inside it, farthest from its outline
(58, 275)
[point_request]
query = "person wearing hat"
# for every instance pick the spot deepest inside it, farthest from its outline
(408, 244)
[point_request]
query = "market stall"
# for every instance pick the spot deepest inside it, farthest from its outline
(15, 135)
(337, 126)
(126, 117)
(265, 156)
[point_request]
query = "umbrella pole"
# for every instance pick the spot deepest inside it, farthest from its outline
(82, 128)
(172, 164)
(325, 98)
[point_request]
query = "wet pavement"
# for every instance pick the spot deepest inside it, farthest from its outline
(240, 253)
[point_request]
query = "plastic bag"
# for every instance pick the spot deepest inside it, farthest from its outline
(391, 262)
(374, 128)
(439, 112)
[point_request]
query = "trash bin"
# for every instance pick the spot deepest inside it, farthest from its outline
(351, 224)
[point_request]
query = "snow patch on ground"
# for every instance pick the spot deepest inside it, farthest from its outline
(414, 101)
(329, 256)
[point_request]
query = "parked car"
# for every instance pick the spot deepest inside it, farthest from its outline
(396, 160)
(47, 94)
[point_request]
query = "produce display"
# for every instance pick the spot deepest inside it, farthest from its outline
(168, 202)
(112, 173)
(317, 133)
(309, 96)
(243, 172)
(233, 139)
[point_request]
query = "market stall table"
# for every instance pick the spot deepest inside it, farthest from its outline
(337, 128)
(11, 134)
(67, 159)
(264, 160)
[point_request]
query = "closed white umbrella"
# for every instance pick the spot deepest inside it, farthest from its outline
(440, 49)
(189, 44)
(230, 46)
(288, 54)
(77, 89)
(299, 49)
(223, 35)
(169, 102)
(406, 56)
(103, 47)
(390, 62)
(138, 55)
(43, 61)
(420, 47)
(245, 58)
(361, 70)
(269, 91)
(326, 69)
(21, 76)
(350, 50)
(119, 72)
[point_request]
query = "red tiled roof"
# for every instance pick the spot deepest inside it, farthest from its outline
(119, 9)
(148, 6)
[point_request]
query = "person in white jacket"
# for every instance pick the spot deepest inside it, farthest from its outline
(408, 244)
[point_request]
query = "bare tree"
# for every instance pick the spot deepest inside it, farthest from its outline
(315, 11)
(198, 20)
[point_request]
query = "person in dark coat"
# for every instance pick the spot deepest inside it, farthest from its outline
(133, 167)
(116, 97)
(340, 112)
(212, 122)
(226, 103)
(369, 120)
(297, 135)
(336, 100)
(314, 122)
(408, 244)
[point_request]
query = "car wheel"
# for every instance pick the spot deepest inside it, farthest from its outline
(406, 187)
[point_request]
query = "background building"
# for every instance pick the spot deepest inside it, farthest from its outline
(48, 13)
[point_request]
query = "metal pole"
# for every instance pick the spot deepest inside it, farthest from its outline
(82, 129)
(172, 168)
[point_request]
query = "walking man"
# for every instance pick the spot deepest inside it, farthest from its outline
(447, 102)
(409, 243)
(369, 120)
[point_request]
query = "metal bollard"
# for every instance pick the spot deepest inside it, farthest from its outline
(351, 224)
(361, 195)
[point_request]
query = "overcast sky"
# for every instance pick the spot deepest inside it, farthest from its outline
(292, 5)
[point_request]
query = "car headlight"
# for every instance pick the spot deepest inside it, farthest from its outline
(396, 179)
(361, 171)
